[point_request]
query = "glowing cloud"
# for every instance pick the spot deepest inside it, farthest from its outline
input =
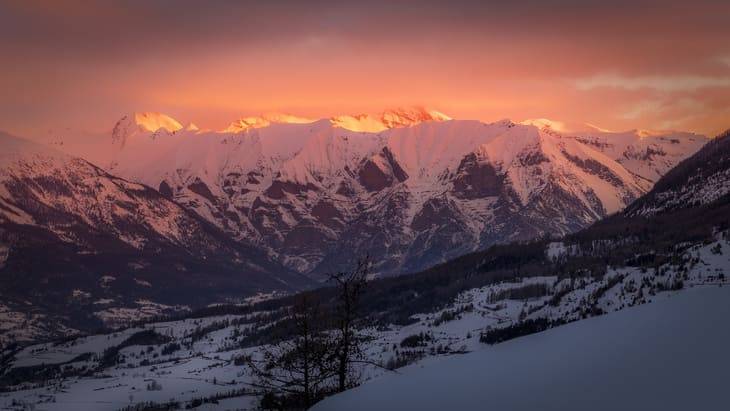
(660, 83)
(79, 64)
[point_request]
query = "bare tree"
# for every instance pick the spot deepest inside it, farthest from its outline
(297, 368)
(322, 348)
(347, 343)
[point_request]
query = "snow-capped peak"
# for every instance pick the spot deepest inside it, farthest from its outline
(153, 121)
(563, 127)
(265, 120)
(543, 123)
(410, 116)
(392, 118)
(149, 121)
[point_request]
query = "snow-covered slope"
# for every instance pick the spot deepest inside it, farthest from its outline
(645, 153)
(669, 355)
(196, 357)
(72, 234)
(700, 180)
(40, 186)
(420, 190)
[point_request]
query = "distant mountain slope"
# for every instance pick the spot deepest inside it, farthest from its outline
(701, 179)
(421, 191)
(661, 245)
(72, 235)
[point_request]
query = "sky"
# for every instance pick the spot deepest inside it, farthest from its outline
(615, 64)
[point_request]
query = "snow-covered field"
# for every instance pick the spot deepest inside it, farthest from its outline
(670, 355)
(203, 364)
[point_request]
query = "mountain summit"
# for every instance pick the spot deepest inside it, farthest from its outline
(399, 117)
(247, 123)
(392, 118)
(145, 122)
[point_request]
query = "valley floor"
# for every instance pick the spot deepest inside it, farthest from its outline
(669, 355)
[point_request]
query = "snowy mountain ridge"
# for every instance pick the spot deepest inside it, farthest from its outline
(425, 189)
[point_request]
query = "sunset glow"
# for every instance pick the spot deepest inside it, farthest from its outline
(82, 65)
(385, 205)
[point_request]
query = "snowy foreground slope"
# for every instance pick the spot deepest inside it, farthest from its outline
(669, 355)
(193, 361)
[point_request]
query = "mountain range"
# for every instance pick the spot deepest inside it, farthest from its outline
(155, 217)
(411, 187)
